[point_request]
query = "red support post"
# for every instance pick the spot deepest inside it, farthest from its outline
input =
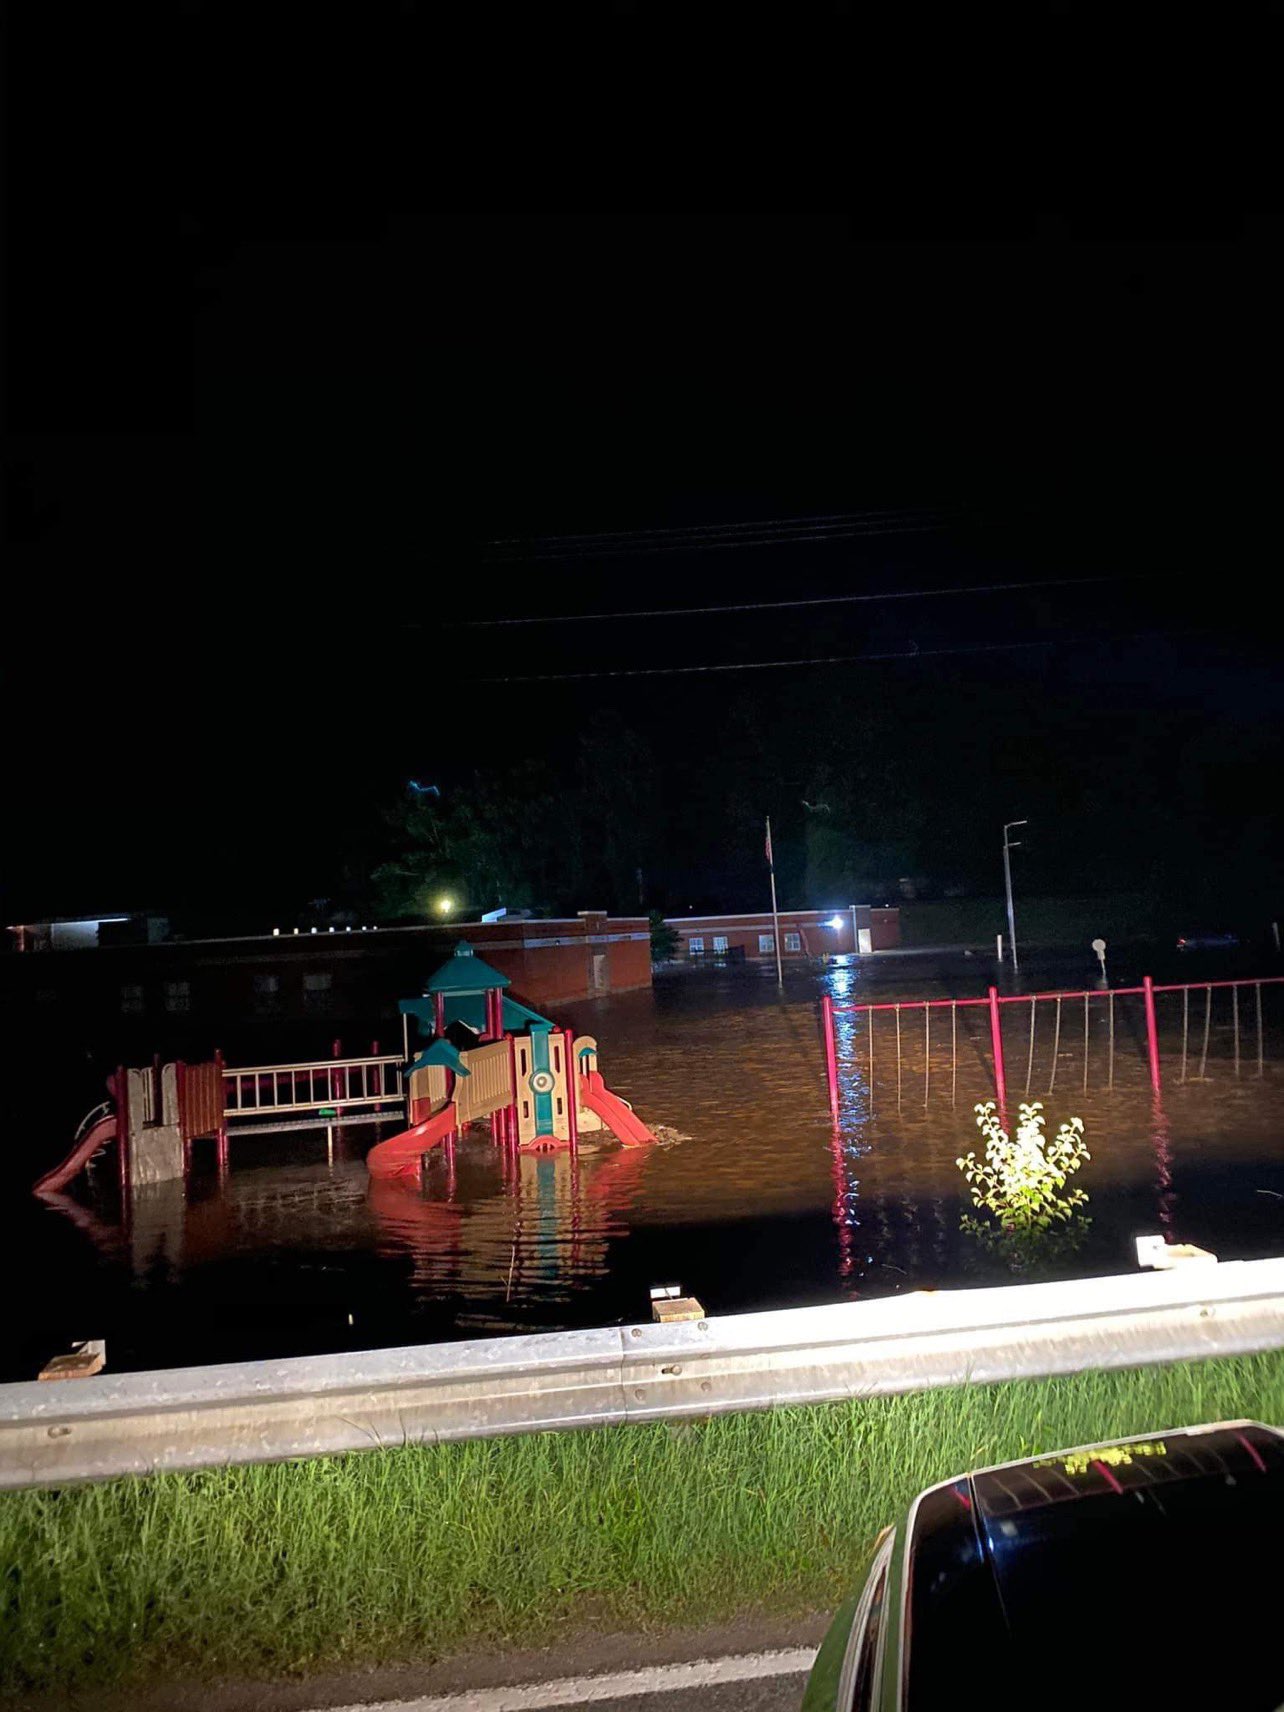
(831, 1056)
(439, 1014)
(572, 1089)
(512, 1126)
(996, 1041)
(221, 1136)
(1152, 1033)
(121, 1094)
(184, 1128)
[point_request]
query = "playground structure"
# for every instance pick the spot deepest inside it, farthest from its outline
(491, 1058)
(487, 1058)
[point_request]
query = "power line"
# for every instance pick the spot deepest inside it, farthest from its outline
(728, 536)
(715, 528)
(774, 605)
(772, 665)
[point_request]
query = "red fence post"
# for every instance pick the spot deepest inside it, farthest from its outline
(996, 1041)
(831, 1057)
(1152, 1033)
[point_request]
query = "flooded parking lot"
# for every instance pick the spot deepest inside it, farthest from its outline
(755, 1199)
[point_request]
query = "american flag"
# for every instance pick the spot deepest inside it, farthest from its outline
(770, 862)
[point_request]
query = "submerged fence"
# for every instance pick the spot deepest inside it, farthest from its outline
(1022, 1044)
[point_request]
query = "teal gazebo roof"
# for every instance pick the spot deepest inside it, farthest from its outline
(441, 1052)
(469, 1008)
(465, 973)
(463, 983)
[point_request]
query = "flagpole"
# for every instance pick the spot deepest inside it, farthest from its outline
(775, 919)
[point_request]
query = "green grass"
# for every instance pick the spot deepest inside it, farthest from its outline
(419, 1553)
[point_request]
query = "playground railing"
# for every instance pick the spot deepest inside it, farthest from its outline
(324, 1086)
(1116, 1036)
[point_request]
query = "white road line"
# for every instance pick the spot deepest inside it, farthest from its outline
(620, 1685)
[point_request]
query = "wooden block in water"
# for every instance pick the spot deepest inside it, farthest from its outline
(673, 1308)
(82, 1362)
(79, 1365)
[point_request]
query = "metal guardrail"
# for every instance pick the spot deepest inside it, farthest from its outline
(265, 1411)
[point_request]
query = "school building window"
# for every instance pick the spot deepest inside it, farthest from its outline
(766, 944)
(131, 1001)
(793, 942)
(178, 996)
(696, 945)
(316, 991)
(719, 942)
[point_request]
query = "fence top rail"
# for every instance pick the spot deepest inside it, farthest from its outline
(230, 1070)
(1197, 986)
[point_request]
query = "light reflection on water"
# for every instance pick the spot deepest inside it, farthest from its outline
(767, 1201)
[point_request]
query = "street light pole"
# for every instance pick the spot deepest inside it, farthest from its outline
(1008, 846)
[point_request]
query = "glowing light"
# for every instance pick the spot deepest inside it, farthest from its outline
(1114, 1456)
(444, 906)
(835, 921)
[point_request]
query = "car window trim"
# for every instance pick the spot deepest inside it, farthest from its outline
(880, 1565)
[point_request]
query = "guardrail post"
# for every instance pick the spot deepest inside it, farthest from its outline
(996, 1041)
(831, 1057)
(1152, 1033)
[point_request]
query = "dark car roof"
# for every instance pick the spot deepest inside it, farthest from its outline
(1148, 1567)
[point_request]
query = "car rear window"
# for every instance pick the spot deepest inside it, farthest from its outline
(953, 1617)
(1148, 1570)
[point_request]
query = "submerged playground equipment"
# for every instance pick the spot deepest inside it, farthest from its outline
(487, 1057)
(491, 1057)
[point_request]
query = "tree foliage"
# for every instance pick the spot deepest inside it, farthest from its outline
(531, 835)
(1021, 1185)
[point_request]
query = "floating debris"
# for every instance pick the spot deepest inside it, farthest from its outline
(666, 1136)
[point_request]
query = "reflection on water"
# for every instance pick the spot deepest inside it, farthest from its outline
(769, 1201)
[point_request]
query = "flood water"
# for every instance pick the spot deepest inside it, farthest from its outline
(765, 1201)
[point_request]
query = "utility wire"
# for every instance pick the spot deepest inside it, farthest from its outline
(750, 523)
(773, 605)
(833, 525)
(854, 532)
(772, 665)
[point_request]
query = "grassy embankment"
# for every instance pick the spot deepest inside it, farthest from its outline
(422, 1552)
(1043, 922)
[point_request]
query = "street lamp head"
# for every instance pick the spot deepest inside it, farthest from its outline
(445, 905)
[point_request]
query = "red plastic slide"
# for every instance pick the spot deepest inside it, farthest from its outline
(399, 1156)
(98, 1135)
(621, 1118)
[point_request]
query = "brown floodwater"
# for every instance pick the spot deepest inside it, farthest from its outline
(756, 1198)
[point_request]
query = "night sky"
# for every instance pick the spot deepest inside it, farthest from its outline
(286, 419)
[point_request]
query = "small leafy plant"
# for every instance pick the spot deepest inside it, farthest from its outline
(1021, 1185)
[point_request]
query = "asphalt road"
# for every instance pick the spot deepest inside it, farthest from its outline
(754, 1664)
(771, 1681)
